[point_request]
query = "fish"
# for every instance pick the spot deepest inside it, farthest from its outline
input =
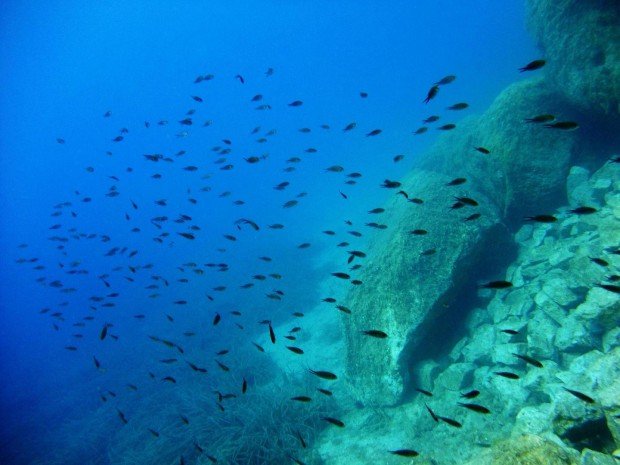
(153, 432)
(482, 150)
(341, 275)
(450, 422)
(475, 408)
(432, 93)
(584, 210)
(563, 125)
(471, 394)
(296, 103)
(404, 452)
(530, 360)
(419, 232)
(241, 80)
(431, 119)
(390, 184)
(374, 132)
(599, 261)
(432, 414)
(458, 106)
(216, 319)
(507, 374)
(533, 65)
(295, 350)
(302, 399)
(580, 395)
(272, 335)
(333, 421)
(327, 392)
(121, 415)
(301, 439)
(542, 218)
(445, 80)
(540, 119)
(398, 158)
(169, 379)
(610, 287)
(467, 201)
(420, 130)
(97, 363)
(496, 285)
(324, 374)
(472, 217)
(374, 333)
(457, 182)
(258, 347)
(104, 332)
(425, 392)
(363, 94)
(447, 127)
(186, 235)
(350, 126)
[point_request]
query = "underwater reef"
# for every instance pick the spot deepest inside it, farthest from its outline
(558, 399)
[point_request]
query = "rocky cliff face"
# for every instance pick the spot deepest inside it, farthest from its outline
(408, 293)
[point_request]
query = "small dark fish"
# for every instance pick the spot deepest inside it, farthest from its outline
(324, 374)
(428, 252)
(540, 119)
(450, 421)
(507, 374)
(610, 287)
(169, 379)
(542, 218)
(398, 158)
(295, 350)
(447, 127)
(445, 80)
(272, 335)
(482, 150)
(457, 182)
(333, 421)
(364, 94)
(432, 93)
(425, 392)
(533, 65)
(431, 119)
(302, 399)
(216, 319)
(530, 360)
(197, 99)
(581, 396)
(341, 275)
(458, 106)
(420, 130)
(241, 80)
(327, 392)
(599, 261)
(563, 125)
(121, 415)
(222, 366)
(301, 439)
(350, 126)
(419, 232)
(375, 333)
(472, 217)
(97, 363)
(404, 452)
(467, 201)
(260, 348)
(153, 432)
(390, 184)
(475, 408)
(583, 210)
(374, 132)
(512, 332)
(496, 285)
(244, 386)
(104, 332)
(376, 210)
(432, 414)
(186, 235)
(60, 140)
(471, 394)
(296, 103)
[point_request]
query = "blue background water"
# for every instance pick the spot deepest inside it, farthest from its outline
(64, 64)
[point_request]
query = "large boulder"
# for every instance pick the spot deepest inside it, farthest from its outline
(581, 41)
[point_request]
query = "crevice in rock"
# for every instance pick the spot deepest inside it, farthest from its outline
(591, 434)
(450, 313)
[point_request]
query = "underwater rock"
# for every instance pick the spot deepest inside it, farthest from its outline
(580, 40)
(406, 293)
(590, 457)
(527, 449)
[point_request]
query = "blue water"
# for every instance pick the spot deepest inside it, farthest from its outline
(65, 64)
